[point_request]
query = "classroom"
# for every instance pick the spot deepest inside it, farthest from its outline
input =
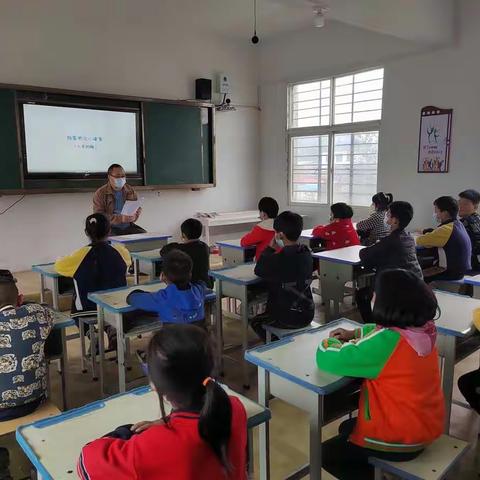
(240, 239)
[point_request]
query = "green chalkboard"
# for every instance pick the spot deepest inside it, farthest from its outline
(10, 177)
(177, 141)
(178, 144)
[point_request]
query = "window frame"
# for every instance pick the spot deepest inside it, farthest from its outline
(330, 130)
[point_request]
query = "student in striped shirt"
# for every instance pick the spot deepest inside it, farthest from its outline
(375, 227)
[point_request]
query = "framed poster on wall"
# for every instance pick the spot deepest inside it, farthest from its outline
(434, 140)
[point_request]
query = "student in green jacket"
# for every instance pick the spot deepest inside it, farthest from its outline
(401, 409)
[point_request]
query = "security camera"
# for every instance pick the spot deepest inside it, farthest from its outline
(255, 39)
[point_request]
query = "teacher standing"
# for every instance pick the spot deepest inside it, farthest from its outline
(110, 199)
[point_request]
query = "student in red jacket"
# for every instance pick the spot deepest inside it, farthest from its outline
(340, 232)
(203, 438)
(261, 234)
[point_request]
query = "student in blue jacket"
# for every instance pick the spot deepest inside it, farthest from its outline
(181, 301)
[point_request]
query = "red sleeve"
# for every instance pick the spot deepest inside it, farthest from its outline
(254, 237)
(108, 458)
(321, 230)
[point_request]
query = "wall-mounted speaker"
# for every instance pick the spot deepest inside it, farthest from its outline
(203, 89)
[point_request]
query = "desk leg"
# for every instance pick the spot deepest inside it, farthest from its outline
(101, 349)
(63, 366)
(120, 353)
(264, 428)
(136, 271)
(251, 466)
(447, 376)
(219, 325)
(42, 289)
(55, 295)
(333, 277)
(316, 422)
(244, 312)
(206, 234)
(476, 292)
(153, 269)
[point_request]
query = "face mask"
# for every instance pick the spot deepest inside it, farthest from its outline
(280, 242)
(372, 209)
(436, 221)
(120, 182)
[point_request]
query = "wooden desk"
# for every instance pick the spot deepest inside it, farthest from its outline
(292, 360)
(111, 305)
(234, 254)
(336, 268)
(234, 283)
(48, 275)
(456, 320)
(306, 236)
(151, 258)
(227, 218)
(54, 444)
(141, 242)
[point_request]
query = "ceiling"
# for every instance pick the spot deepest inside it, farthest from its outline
(426, 21)
(423, 21)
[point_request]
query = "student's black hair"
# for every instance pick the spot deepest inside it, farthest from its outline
(180, 363)
(471, 195)
(341, 210)
(402, 300)
(8, 289)
(177, 268)
(447, 204)
(269, 206)
(290, 224)
(382, 200)
(112, 166)
(192, 228)
(402, 211)
(97, 227)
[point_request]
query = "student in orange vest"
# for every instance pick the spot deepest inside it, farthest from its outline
(402, 409)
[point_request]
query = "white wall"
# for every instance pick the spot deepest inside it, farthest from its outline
(114, 47)
(445, 77)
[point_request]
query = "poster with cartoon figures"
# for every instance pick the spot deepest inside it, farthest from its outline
(434, 143)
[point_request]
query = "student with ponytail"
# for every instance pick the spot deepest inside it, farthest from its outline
(204, 437)
(375, 227)
(98, 266)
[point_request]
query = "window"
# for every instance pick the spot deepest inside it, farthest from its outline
(333, 131)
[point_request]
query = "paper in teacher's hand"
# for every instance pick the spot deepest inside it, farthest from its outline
(131, 206)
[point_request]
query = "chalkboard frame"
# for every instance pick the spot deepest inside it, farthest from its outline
(139, 183)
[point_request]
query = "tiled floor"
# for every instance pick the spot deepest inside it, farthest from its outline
(289, 426)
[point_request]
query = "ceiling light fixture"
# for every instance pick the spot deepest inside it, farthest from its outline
(320, 10)
(255, 38)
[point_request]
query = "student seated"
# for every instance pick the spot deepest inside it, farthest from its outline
(261, 234)
(468, 202)
(98, 266)
(397, 250)
(23, 369)
(197, 250)
(181, 301)
(288, 275)
(452, 241)
(203, 438)
(375, 226)
(401, 409)
(340, 232)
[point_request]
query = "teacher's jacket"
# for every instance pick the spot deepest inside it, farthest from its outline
(104, 201)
